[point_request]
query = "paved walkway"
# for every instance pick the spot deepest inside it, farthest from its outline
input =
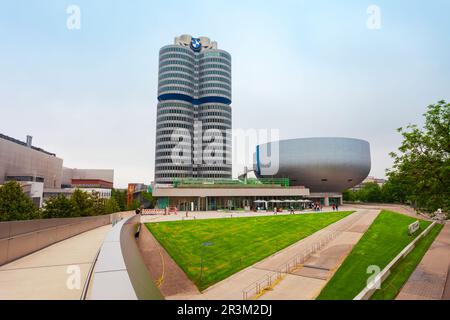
(403, 209)
(43, 275)
(231, 214)
(431, 279)
(166, 273)
(306, 282)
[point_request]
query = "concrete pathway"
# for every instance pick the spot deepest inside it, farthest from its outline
(43, 275)
(166, 273)
(304, 283)
(224, 215)
(431, 279)
(308, 281)
(403, 209)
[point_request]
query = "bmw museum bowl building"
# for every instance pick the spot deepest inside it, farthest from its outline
(326, 166)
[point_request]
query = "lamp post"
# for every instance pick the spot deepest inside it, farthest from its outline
(204, 244)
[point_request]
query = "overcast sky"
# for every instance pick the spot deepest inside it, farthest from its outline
(309, 68)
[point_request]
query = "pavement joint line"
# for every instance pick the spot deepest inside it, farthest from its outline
(316, 267)
(47, 266)
(264, 269)
(108, 271)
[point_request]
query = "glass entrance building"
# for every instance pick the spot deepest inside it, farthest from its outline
(194, 110)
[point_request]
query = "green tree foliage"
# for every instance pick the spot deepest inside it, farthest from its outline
(370, 192)
(98, 204)
(421, 172)
(111, 206)
(14, 204)
(134, 205)
(349, 195)
(148, 199)
(83, 203)
(396, 189)
(59, 207)
(422, 163)
(80, 204)
(121, 198)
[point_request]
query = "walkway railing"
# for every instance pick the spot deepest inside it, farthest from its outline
(120, 272)
(270, 280)
(376, 283)
(20, 238)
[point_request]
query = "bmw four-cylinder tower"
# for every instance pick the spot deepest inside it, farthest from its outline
(194, 111)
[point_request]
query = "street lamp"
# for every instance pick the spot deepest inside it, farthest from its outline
(204, 244)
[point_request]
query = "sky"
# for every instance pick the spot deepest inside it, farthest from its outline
(307, 68)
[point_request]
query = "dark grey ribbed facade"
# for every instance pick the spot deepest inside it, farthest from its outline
(194, 94)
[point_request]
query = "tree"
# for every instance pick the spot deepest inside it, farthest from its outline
(348, 195)
(98, 203)
(148, 199)
(111, 206)
(370, 192)
(83, 203)
(396, 190)
(422, 163)
(134, 205)
(14, 204)
(59, 207)
(121, 198)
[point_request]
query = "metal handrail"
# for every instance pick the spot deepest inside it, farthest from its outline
(89, 277)
(295, 261)
(52, 228)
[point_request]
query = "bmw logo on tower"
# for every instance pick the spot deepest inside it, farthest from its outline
(196, 45)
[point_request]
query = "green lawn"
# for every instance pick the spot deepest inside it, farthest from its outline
(234, 243)
(403, 270)
(382, 242)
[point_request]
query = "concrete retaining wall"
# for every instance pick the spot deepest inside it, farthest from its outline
(20, 238)
(120, 272)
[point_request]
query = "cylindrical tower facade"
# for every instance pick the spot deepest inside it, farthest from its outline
(214, 113)
(193, 132)
(175, 115)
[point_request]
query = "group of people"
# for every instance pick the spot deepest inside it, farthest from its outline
(316, 206)
(335, 207)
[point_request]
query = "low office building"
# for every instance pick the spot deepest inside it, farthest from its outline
(88, 178)
(218, 194)
(42, 175)
(21, 161)
(135, 192)
(379, 181)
